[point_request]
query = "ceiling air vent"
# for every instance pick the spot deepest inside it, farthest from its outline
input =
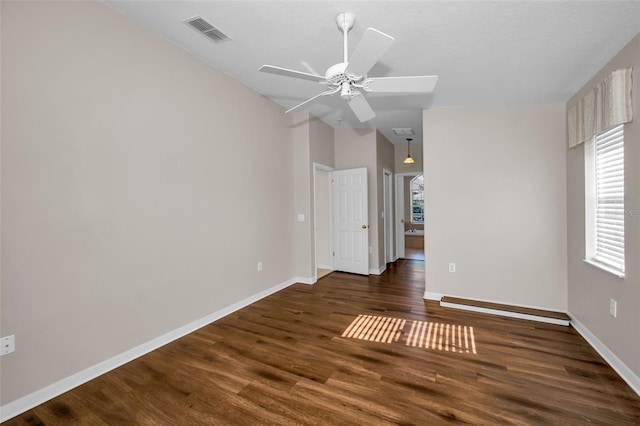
(207, 29)
(403, 131)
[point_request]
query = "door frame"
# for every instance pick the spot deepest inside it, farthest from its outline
(314, 227)
(388, 216)
(400, 252)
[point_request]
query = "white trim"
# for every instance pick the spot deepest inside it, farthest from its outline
(432, 296)
(306, 280)
(40, 396)
(378, 271)
(319, 266)
(389, 222)
(329, 169)
(604, 267)
(620, 367)
(505, 313)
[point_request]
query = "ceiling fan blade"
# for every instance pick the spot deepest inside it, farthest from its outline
(311, 100)
(291, 73)
(416, 84)
(370, 49)
(361, 108)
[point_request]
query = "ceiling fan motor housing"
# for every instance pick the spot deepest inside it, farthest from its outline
(335, 74)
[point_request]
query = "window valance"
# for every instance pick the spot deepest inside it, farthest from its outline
(605, 106)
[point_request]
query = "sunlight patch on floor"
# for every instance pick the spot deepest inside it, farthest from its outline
(421, 334)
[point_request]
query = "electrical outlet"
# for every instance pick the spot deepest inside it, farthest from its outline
(370, 250)
(452, 267)
(7, 345)
(300, 217)
(260, 266)
(613, 308)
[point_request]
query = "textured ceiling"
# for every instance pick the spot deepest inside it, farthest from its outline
(484, 52)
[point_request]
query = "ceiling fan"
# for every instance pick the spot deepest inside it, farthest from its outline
(350, 76)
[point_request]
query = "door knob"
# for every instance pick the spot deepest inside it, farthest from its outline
(364, 226)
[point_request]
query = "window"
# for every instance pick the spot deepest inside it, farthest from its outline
(417, 199)
(604, 177)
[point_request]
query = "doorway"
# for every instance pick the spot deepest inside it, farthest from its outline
(322, 215)
(340, 222)
(409, 224)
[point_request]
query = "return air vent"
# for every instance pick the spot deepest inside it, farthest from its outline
(403, 131)
(207, 29)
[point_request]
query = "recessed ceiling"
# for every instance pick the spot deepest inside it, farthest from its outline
(484, 52)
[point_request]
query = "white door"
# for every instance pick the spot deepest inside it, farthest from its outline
(350, 221)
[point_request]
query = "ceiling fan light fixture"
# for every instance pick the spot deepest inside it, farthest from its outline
(409, 159)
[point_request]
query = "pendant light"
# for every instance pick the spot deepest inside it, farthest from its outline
(408, 160)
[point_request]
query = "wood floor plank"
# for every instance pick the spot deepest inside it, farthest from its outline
(284, 361)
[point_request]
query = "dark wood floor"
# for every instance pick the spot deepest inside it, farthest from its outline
(282, 360)
(414, 253)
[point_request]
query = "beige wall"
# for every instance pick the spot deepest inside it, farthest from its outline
(495, 201)
(303, 176)
(400, 152)
(368, 148)
(321, 151)
(589, 287)
(356, 148)
(313, 144)
(385, 159)
(127, 165)
(321, 140)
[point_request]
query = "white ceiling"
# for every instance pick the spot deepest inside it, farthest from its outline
(484, 52)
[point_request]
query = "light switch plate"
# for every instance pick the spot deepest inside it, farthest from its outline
(613, 308)
(7, 345)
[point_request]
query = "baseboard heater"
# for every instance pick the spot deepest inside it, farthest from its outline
(531, 314)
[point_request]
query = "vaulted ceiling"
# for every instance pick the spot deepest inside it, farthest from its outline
(484, 52)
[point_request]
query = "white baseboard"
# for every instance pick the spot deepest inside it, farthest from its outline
(324, 266)
(378, 271)
(306, 280)
(40, 396)
(432, 296)
(620, 367)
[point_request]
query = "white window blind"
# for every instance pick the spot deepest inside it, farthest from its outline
(609, 202)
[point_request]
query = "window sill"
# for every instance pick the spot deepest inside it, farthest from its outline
(604, 267)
